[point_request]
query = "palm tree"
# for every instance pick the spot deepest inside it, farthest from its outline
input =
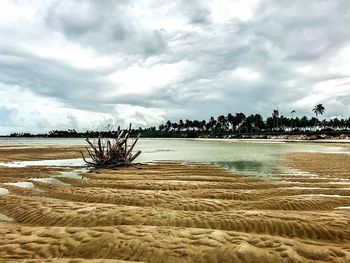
(240, 118)
(211, 124)
(249, 122)
(181, 124)
(203, 124)
(275, 115)
(196, 124)
(292, 112)
(168, 125)
(222, 122)
(188, 124)
(259, 121)
(318, 109)
(304, 122)
(231, 119)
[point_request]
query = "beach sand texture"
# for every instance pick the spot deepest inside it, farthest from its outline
(172, 212)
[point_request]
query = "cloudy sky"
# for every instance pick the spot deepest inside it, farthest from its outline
(85, 64)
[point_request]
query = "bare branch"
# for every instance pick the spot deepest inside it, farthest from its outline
(107, 154)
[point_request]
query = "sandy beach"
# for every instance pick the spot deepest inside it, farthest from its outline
(173, 212)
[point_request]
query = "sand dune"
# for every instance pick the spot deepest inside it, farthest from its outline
(169, 212)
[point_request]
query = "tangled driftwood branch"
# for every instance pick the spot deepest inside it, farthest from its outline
(111, 153)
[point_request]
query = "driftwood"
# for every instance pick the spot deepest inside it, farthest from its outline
(111, 153)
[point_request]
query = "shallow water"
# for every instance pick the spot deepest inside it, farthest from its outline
(259, 158)
(49, 180)
(4, 191)
(61, 163)
(22, 184)
(5, 218)
(7, 141)
(254, 158)
(71, 174)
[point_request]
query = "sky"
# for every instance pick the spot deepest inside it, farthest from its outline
(86, 64)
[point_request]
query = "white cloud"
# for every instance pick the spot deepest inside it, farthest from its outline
(246, 74)
(139, 80)
(224, 10)
(340, 63)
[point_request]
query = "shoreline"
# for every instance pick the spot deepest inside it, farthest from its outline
(304, 138)
(274, 140)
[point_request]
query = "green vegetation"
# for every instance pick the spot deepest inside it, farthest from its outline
(232, 126)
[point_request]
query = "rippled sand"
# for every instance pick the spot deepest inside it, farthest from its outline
(20, 153)
(169, 212)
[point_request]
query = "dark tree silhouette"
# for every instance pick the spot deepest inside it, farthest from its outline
(292, 112)
(224, 125)
(275, 116)
(318, 110)
(231, 121)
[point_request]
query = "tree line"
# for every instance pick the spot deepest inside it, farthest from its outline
(255, 123)
(233, 124)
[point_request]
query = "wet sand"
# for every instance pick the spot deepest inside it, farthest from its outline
(171, 212)
(20, 153)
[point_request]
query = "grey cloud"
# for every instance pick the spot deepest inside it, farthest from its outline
(105, 26)
(197, 11)
(304, 31)
(280, 37)
(52, 78)
(77, 88)
(344, 99)
(74, 17)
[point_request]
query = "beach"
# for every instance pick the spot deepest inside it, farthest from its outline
(172, 211)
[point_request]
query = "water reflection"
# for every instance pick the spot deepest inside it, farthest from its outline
(243, 165)
(256, 168)
(255, 158)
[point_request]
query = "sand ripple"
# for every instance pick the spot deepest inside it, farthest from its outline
(170, 212)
